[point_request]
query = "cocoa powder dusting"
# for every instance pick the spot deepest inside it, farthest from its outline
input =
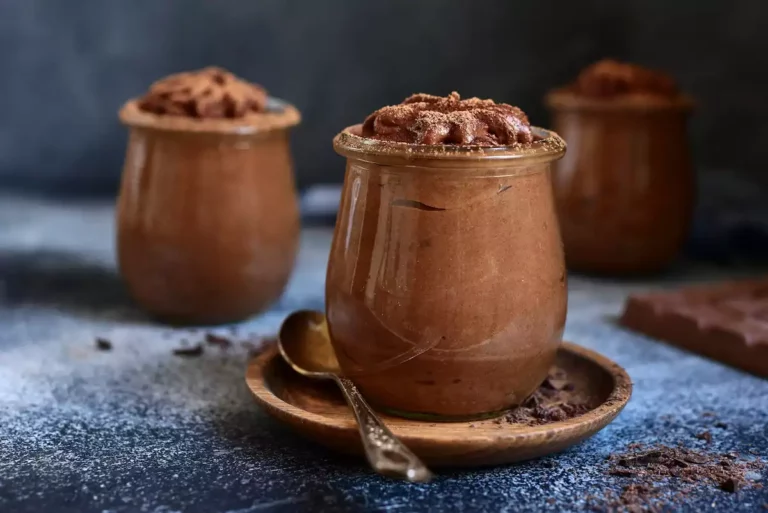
(211, 93)
(433, 120)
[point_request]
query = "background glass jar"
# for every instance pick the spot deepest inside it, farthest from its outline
(446, 286)
(207, 217)
(625, 190)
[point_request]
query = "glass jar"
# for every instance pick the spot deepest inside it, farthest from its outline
(446, 285)
(207, 217)
(625, 190)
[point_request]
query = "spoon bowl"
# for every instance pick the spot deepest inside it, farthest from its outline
(305, 344)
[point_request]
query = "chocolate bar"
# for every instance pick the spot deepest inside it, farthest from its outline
(727, 322)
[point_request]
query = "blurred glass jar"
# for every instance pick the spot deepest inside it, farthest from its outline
(446, 286)
(207, 216)
(625, 190)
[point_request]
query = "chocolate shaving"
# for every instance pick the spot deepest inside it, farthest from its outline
(196, 350)
(555, 400)
(704, 435)
(216, 340)
(102, 344)
(665, 475)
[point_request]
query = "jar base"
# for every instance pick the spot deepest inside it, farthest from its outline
(434, 417)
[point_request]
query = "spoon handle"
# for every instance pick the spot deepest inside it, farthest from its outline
(385, 452)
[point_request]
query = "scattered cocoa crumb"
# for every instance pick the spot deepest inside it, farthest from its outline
(721, 425)
(732, 485)
(634, 446)
(555, 400)
(704, 435)
(196, 350)
(708, 413)
(102, 344)
(216, 340)
(634, 498)
(551, 500)
(652, 469)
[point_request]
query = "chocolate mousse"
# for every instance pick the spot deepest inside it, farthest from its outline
(207, 93)
(427, 119)
(207, 215)
(609, 78)
(446, 289)
(625, 190)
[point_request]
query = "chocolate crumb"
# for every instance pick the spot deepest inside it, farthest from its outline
(555, 400)
(704, 435)
(216, 340)
(653, 470)
(551, 500)
(102, 344)
(732, 485)
(196, 350)
(708, 413)
(720, 425)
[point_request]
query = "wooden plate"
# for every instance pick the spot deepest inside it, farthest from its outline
(316, 409)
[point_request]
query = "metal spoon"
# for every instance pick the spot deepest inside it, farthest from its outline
(305, 345)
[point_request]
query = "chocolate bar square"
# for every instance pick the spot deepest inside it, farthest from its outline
(727, 321)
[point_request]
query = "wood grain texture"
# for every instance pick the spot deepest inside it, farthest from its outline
(317, 411)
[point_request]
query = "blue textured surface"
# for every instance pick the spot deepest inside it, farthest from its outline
(138, 429)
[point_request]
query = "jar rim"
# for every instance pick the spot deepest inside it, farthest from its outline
(280, 115)
(349, 143)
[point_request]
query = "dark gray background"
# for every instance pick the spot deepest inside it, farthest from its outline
(68, 65)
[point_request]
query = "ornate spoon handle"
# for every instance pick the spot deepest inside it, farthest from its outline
(385, 452)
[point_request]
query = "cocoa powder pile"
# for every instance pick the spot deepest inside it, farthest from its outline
(662, 476)
(555, 400)
(432, 120)
(211, 93)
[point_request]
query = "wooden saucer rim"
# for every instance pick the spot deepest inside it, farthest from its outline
(446, 431)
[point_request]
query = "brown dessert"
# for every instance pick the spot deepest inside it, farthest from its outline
(206, 93)
(426, 119)
(446, 288)
(207, 215)
(625, 190)
(725, 321)
(609, 78)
